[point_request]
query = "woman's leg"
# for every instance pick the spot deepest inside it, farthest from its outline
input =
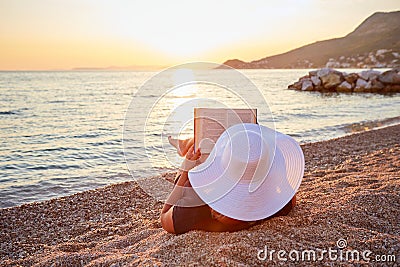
(182, 146)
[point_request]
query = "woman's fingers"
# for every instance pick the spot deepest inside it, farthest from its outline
(184, 145)
(197, 155)
(191, 159)
(189, 153)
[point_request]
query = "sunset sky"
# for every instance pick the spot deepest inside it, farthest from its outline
(55, 34)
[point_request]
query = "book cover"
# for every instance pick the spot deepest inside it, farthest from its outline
(210, 123)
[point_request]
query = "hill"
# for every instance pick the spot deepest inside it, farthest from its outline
(374, 43)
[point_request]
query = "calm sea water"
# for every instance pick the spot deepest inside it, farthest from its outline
(61, 132)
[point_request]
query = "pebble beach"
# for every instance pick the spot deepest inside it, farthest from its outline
(349, 200)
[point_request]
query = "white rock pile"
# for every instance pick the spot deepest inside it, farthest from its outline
(368, 81)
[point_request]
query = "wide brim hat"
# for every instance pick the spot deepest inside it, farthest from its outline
(251, 173)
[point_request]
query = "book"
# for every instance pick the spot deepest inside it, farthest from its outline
(210, 123)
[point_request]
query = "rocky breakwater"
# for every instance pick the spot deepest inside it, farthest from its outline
(368, 81)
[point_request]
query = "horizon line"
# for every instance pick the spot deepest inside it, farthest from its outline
(110, 68)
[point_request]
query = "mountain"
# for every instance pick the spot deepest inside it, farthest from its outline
(374, 43)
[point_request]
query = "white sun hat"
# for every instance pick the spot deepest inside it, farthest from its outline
(251, 173)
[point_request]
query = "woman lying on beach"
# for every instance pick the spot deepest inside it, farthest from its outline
(252, 174)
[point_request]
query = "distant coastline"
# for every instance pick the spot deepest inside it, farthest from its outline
(375, 43)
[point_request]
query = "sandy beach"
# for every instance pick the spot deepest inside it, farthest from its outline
(350, 194)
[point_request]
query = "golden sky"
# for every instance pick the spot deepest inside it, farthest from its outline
(56, 34)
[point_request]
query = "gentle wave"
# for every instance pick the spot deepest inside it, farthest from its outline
(329, 132)
(369, 125)
(13, 112)
(8, 112)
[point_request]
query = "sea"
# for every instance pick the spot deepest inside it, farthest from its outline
(63, 132)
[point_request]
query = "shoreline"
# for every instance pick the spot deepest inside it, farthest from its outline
(342, 130)
(349, 190)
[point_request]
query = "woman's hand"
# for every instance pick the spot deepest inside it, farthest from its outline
(191, 155)
(191, 158)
